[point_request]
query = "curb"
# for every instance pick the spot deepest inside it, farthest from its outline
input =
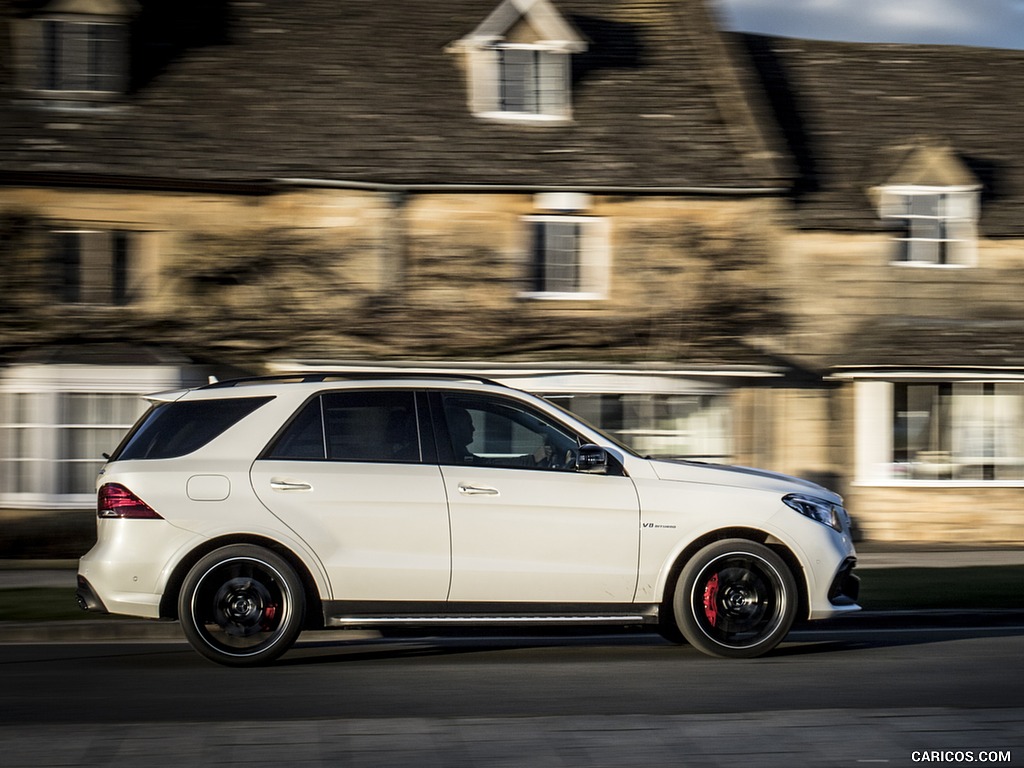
(929, 618)
(90, 631)
(130, 630)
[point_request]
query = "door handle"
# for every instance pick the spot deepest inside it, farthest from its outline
(286, 485)
(477, 490)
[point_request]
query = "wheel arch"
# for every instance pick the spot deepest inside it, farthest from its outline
(739, 532)
(169, 599)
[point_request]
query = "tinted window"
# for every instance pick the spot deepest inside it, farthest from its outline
(175, 429)
(353, 426)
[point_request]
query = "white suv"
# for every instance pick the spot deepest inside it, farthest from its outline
(253, 509)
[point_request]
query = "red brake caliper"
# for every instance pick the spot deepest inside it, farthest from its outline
(711, 600)
(269, 614)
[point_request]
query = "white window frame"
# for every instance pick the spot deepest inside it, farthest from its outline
(953, 244)
(548, 85)
(592, 257)
(51, 457)
(875, 443)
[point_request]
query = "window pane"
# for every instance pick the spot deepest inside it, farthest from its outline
(693, 426)
(556, 252)
(73, 60)
(120, 264)
(49, 68)
(933, 228)
(926, 229)
(371, 426)
(175, 429)
(82, 56)
(78, 476)
(552, 82)
(104, 57)
(518, 80)
(533, 81)
(27, 476)
(495, 433)
(93, 266)
(1008, 428)
(67, 260)
(304, 437)
(959, 431)
(109, 408)
(561, 257)
(924, 205)
(96, 267)
(29, 408)
(91, 444)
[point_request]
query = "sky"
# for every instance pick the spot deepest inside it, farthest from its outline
(987, 23)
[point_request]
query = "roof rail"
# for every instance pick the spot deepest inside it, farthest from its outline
(329, 376)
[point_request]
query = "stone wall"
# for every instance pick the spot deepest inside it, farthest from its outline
(343, 273)
(966, 516)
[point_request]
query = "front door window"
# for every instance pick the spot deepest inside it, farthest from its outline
(486, 432)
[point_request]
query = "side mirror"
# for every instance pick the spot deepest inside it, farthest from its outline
(592, 459)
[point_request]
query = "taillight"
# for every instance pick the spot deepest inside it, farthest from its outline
(116, 501)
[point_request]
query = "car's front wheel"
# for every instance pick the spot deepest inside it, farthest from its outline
(735, 598)
(241, 605)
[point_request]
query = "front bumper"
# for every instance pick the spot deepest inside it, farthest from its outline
(845, 587)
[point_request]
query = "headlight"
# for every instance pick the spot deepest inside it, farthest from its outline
(824, 512)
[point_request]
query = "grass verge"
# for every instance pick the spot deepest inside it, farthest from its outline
(40, 604)
(972, 587)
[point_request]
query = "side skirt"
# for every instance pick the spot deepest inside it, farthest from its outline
(353, 614)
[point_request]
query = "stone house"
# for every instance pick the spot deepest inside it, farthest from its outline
(904, 245)
(699, 241)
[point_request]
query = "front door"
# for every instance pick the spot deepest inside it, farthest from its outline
(526, 525)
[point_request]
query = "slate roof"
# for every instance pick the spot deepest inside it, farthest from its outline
(909, 343)
(850, 112)
(364, 90)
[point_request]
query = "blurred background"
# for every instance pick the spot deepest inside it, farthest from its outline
(715, 242)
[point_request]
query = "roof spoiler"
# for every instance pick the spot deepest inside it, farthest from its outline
(168, 396)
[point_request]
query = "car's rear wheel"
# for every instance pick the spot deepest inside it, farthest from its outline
(735, 598)
(241, 605)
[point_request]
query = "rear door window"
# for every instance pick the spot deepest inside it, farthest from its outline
(379, 426)
(169, 430)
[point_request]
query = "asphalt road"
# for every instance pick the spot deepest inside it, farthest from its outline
(841, 697)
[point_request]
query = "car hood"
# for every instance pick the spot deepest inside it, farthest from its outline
(739, 477)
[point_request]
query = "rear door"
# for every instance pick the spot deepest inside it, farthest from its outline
(350, 476)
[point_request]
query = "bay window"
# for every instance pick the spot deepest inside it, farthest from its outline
(941, 431)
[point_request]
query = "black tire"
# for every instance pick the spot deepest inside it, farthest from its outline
(241, 605)
(735, 598)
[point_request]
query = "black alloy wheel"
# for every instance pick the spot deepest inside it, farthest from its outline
(241, 605)
(735, 598)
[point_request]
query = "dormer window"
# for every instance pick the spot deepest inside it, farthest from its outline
(75, 53)
(519, 62)
(532, 81)
(931, 205)
(82, 56)
(935, 226)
